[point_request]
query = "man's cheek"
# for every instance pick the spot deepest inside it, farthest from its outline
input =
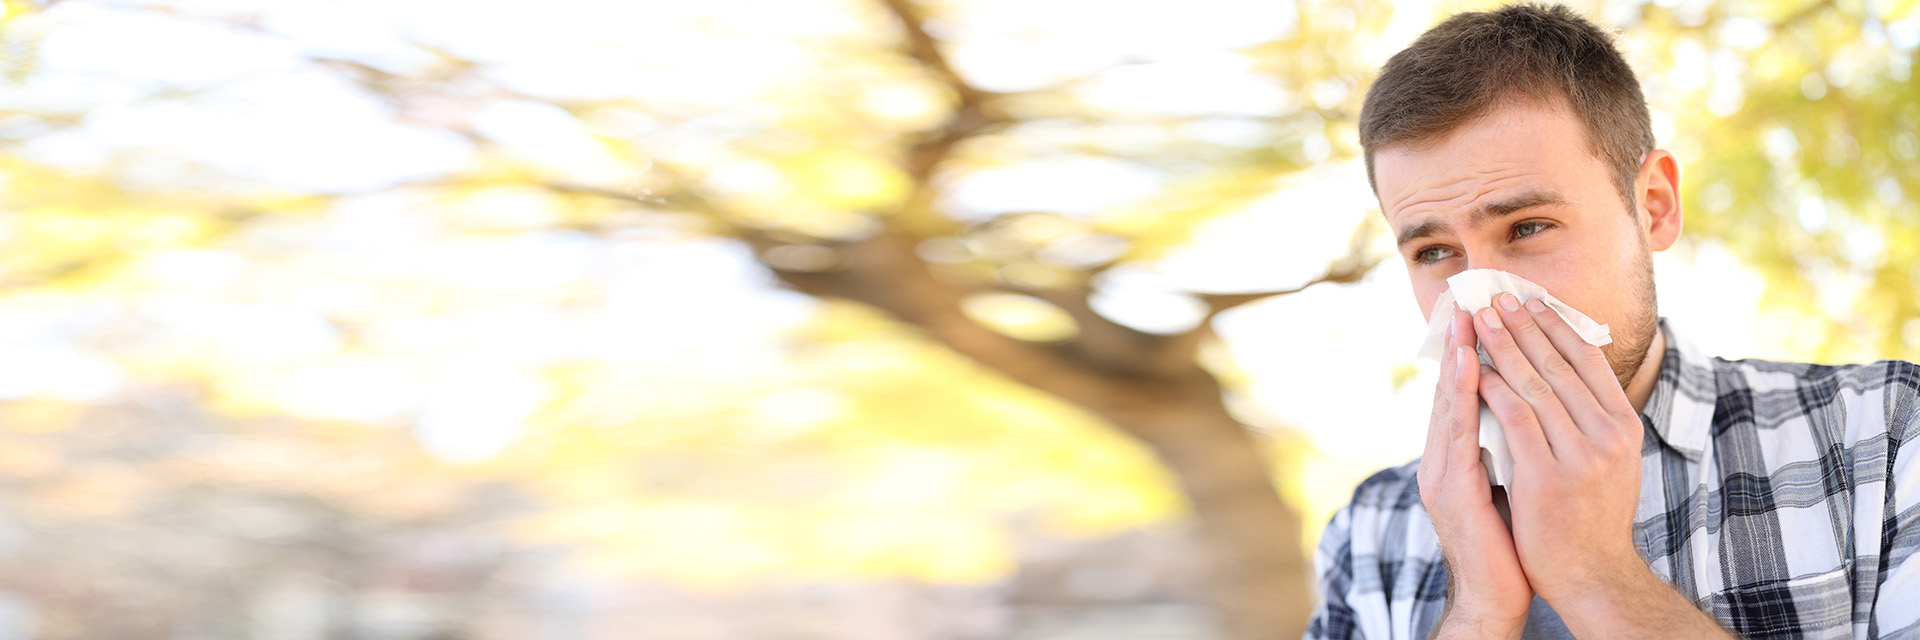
(1425, 294)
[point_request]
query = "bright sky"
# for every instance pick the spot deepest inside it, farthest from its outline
(480, 319)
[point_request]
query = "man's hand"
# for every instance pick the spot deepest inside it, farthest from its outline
(1488, 593)
(1575, 439)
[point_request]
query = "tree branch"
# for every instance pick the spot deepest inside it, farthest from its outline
(1220, 302)
(1103, 345)
(884, 271)
(1348, 270)
(725, 223)
(970, 118)
(1360, 260)
(923, 47)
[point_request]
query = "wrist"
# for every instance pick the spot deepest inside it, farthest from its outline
(1468, 620)
(1602, 574)
(1599, 610)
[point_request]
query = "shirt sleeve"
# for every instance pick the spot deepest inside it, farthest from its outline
(1897, 572)
(1333, 562)
(1378, 562)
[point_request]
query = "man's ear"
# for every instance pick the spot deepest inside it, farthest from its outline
(1659, 184)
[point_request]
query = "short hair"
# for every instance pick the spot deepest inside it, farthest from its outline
(1472, 63)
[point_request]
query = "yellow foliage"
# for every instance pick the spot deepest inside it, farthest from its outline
(10, 9)
(845, 180)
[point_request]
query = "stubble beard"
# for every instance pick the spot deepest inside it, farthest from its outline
(1630, 342)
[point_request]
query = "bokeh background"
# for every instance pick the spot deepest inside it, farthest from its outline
(793, 319)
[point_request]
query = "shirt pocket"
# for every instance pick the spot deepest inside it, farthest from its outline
(1818, 605)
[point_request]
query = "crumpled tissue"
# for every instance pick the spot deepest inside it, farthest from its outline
(1473, 290)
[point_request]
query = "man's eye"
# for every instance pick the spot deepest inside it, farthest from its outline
(1530, 227)
(1431, 255)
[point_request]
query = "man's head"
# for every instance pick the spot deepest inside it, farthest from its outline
(1518, 139)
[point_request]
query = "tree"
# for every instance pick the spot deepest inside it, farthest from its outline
(843, 145)
(859, 210)
(1150, 386)
(1801, 159)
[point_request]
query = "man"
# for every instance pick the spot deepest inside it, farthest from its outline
(1657, 493)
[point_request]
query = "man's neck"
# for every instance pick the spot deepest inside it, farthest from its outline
(1640, 386)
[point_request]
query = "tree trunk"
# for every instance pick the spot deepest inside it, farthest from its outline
(1150, 387)
(1258, 580)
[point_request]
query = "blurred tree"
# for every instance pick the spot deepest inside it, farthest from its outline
(860, 212)
(842, 182)
(1797, 124)
(848, 156)
(845, 195)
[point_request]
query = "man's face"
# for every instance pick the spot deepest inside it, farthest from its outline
(1519, 190)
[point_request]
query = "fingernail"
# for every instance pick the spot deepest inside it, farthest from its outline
(1492, 319)
(1509, 302)
(1536, 306)
(1453, 328)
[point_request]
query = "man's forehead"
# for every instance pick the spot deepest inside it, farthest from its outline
(1440, 187)
(1520, 146)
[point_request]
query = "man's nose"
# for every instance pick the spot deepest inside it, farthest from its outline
(1487, 260)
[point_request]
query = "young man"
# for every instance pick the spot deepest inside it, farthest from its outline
(1657, 493)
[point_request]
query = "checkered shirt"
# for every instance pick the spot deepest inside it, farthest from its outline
(1773, 495)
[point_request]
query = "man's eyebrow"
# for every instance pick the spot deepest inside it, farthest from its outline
(1422, 230)
(1484, 214)
(1499, 209)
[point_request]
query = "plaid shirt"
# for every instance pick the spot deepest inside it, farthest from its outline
(1773, 495)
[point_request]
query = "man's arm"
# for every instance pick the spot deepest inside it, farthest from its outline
(1636, 604)
(1576, 446)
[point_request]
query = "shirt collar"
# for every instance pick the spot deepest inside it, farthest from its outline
(1681, 408)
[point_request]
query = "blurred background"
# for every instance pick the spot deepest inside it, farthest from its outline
(794, 319)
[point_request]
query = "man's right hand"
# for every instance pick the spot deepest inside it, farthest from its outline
(1488, 594)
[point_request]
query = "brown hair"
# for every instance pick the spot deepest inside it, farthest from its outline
(1473, 62)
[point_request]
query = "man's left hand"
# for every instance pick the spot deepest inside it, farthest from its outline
(1575, 440)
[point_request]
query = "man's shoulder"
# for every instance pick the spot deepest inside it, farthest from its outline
(1386, 497)
(1898, 376)
(1381, 548)
(1886, 392)
(1389, 488)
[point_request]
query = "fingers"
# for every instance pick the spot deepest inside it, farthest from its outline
(1433, 458)
(1464, 423)
(1464, 334)
(1463, 448)
(1587, 360)
(1466, 399)
(1513, 340)
(1524, 435)
(1549, 359)
(1456, 402)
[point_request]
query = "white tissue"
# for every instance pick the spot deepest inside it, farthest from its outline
(1473, 290)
